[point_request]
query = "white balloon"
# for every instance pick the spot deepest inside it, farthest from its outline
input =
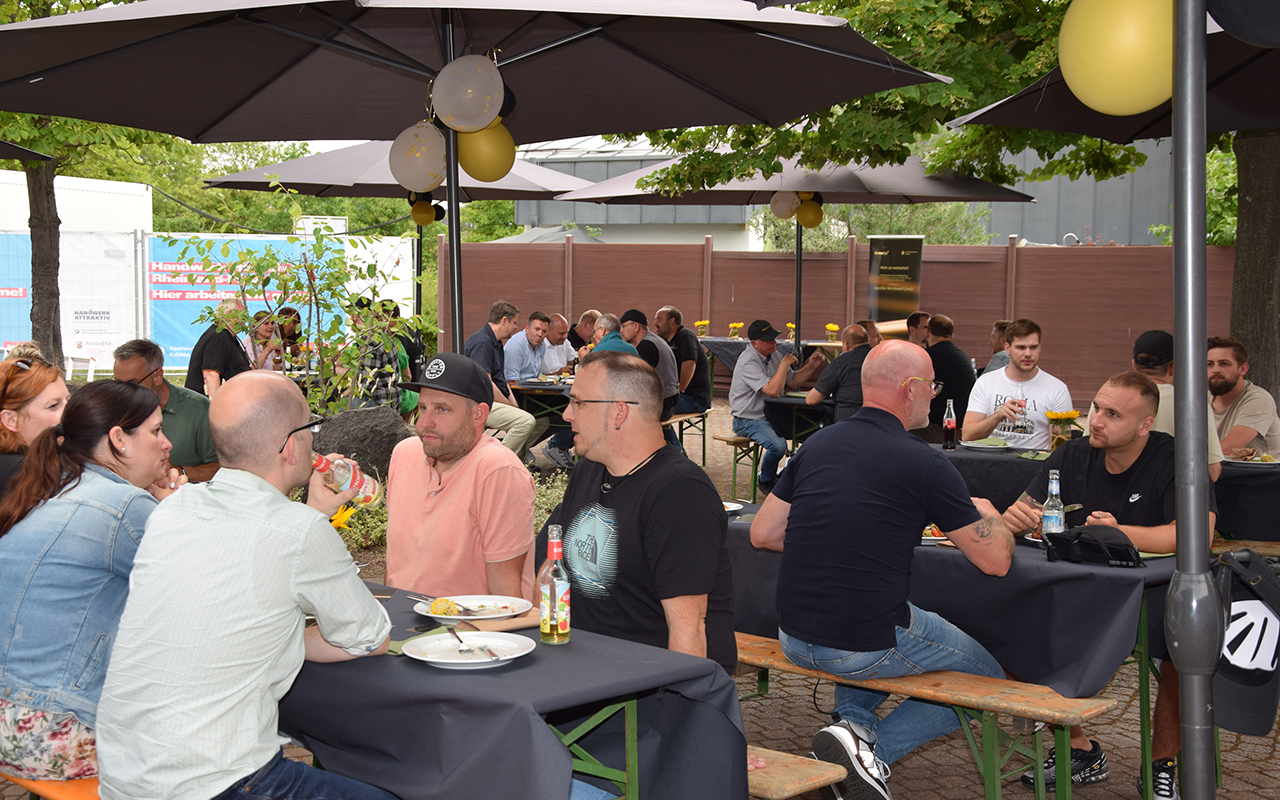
(467, 94)
(417, 157)
(784, 204)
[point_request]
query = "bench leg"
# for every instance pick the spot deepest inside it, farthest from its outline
(1062, 761)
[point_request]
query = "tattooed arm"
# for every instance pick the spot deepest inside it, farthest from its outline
(1023, 515)
(987, 543)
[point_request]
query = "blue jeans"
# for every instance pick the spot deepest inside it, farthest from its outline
(930, 644)
(562, 439)
(689, 404)
(282, 779)
(775, 447)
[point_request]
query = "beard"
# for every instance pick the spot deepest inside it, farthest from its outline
(1220, 386)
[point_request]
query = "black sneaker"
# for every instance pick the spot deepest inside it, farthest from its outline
(853, 747)
(1164, 780)
(1087, 766)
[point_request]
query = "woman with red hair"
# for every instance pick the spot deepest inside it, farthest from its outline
(32, 396)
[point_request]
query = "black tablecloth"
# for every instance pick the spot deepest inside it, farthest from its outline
(999, 477)
(1066, 626)
(424, 733)
(1249, 502)
(794, 419)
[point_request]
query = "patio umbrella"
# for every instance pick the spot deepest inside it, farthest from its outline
(242, 70)
(1235, 73)
(10, 150)
(900, 184)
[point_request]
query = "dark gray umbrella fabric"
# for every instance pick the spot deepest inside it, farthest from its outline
(11, 150)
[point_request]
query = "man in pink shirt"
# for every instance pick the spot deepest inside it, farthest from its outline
(459, 504)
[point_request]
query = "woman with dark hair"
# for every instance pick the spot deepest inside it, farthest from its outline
(32, 396)
(70, 524)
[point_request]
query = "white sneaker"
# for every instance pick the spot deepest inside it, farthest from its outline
(853, 747)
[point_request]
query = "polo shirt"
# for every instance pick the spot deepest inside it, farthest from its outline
(484, 348)
(443, 528)
(750, 374)
(842, 381)
(186, 425)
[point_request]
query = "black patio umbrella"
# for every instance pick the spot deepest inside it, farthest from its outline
(886, 184)
(243, 70)
(11, 150)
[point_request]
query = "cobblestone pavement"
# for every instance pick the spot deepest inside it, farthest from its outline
(786, 719)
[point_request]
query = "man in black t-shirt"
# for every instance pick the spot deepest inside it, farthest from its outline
(580, 335)
(842, 379)
(954, 369)
(644, 528)
(850, 509)
(218, 356)
(1123, 475)
(691, 359)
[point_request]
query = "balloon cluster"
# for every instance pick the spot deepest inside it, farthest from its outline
(1117, 58)
(470, 97)
(422, 211)
(806, 207)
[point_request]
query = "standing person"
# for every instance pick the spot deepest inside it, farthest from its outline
(1245, 414)
(655, 352)
(691, 359)
(214, 630)
(376, 382)
(1000, 398)
(763, 372)
(523, 352)
(485, 347)
(263, 344)
(69, 526)
(185, 413)
(218, 355)
(842, 379)
(918, 328)
(999, 356)
(846, 564)
(32, 396)
(644, 529)
(953, 369)
(580, 335)
(560, 352)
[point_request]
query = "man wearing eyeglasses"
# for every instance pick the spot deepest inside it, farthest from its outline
(850, 508)
(185, 413)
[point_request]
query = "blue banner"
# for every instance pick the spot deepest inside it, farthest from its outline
(15, 288)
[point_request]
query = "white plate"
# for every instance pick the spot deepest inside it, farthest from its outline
(932, 540)
(488, 606)
(1260, 464)
(979, 446)
(731, 507)
(442, 650)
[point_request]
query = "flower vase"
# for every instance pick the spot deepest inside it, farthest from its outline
(734, 334)
(1059, 434)
(832, 336)
(702, 331)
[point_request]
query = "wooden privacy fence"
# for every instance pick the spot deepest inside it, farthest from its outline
(1092, 302)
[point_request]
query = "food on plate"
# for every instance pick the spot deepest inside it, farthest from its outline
(1251, 454)
(932, 532)
(443, 605)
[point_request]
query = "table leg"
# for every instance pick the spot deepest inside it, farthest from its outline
(1061, 765)
(626, 780)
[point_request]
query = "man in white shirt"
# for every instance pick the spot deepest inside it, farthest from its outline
(1011, 403)
(1244, 413)
(214, 630)
(559, 351)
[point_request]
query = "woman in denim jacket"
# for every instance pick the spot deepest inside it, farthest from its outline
(70, 524)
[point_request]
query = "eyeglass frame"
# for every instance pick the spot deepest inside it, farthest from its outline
(140, 381)
(934, 385)
(575, 402)
(26, 363)
(314, 425)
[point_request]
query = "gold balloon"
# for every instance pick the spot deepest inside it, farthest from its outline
(487, 155)
(1117, 57)
(423, 213)
(496, 122)
(805, 195)
(809, 214)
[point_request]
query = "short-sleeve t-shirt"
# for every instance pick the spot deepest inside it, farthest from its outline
(218, 350)
(842, 381)
(658, 533)
(750, 374)
(952, 367)
(1255, 409)
(686, 347)
(655, 352)
(861, 493)
(1143, 495)
(1043, 392)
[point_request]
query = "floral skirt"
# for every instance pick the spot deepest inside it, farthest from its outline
(42, 746)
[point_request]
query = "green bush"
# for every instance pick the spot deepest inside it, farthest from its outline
(550, 491)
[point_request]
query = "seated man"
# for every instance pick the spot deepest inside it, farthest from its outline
(608, 337)
(186, 413)
(560, 353)
(847, 515)
(214, 629)
(1011, 403)
(459, 504)
(691, 359)
(644, 528)
(763, 372)
(842, 379)
(1244, 413)
(655, 352)
(582, 333)
(1123, 475)
(485, 347)
(999, 356)
(378, 369)
(525, 350)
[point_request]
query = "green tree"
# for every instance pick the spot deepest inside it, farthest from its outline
(486, 220)
(938, 223)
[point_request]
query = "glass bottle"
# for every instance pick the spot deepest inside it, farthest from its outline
(949, 426)
(1022, 425)
(1053, 520)
(340, 475)
(553, 589)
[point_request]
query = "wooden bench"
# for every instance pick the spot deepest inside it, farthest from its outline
(81, 789)
(971, 697)
(744, 450)
(694, 422)
(787, 775)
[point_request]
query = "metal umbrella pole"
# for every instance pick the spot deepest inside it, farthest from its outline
(455, 224)
(799, 275)
(1194, 618)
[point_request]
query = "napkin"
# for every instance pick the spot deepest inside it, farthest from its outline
(994, 441)
(1034, 455)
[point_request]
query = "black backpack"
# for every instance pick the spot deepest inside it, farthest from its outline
(1246, 686)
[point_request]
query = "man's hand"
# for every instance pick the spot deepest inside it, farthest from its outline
(321, 498)
(1011, 410)
(1023, 515)
(1101, 518)
(789, 360)
(815, 359)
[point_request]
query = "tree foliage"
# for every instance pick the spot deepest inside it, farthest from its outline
(938, 223)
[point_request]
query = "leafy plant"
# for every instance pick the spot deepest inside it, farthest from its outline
(550, 491)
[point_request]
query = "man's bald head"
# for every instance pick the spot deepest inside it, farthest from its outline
(887, 381)
(854, 336)
(251, 415)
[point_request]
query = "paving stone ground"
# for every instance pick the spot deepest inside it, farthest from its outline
(786, 718)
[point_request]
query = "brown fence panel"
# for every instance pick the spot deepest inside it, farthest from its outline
(615, 277)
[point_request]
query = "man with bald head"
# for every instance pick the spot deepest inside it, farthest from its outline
(559, 351)
(850, 508)
(214, 630)
(842, 379)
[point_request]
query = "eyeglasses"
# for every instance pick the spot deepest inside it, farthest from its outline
(26, 364)
(313, 425)
(934, 386)
(145, 378)
(575, 402)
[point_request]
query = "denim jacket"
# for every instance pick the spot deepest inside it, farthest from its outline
(64, 577)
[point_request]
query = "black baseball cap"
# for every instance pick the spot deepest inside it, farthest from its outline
(762, 330)
(455, 374)
(634, 315)
(1153, 349)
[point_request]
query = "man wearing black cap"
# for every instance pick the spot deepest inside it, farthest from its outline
(459, 504)
(655, 352)
(761, 371)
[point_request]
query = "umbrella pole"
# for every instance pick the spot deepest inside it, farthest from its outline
(799, 267)
(417, 275)
(451, 193)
